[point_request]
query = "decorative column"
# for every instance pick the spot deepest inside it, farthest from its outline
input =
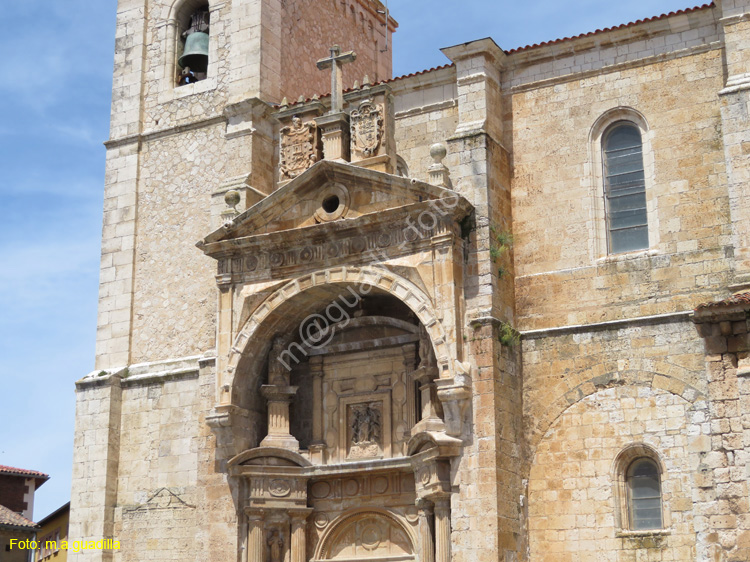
(425, 375)
(317, 447)
(299, 525)
(279, 399)
(279, 395)
(411, 405)
(426, 542)
(443, 529)
(255, 544)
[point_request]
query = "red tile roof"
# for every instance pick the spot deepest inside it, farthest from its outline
(740, 299)
(535, 46)
(12, 471)
(433, 69)
(388, 81)
(10, 518)
(608, 29)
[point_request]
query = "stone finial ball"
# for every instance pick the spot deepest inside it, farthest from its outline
(438, 151)
(232, 198)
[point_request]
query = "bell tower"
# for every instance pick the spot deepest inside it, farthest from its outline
(194, 85)
(194, 88)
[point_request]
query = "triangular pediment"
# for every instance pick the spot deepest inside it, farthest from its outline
(328, 192)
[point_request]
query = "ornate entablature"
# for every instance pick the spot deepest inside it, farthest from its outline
(341, 386)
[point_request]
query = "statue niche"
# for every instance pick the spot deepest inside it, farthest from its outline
(365, 430)
(358, 389)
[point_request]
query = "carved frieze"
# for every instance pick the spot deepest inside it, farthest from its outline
(362, 486)
(374, 246)
(299, 148)
(366, 129)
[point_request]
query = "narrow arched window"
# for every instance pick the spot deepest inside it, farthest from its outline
(644, 495)
(624, 188)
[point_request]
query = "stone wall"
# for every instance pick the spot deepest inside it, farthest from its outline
(175, 306)
(560, 369)
(573, 496)
(168, 487)
(311, 28)
(555, 176)
(425, 114)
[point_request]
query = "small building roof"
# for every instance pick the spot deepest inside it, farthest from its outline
(40, 477)
(11, 520)
(58, 511)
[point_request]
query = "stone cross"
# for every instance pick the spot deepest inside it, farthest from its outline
(335, 62)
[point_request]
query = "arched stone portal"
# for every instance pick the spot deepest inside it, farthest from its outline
(344, 425)
(341, 387)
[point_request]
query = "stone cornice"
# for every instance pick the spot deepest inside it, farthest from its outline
(372, 238)
(610, 325)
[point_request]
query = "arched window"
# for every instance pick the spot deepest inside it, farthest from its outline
(643, 483)
(624, 188)
(193, 61)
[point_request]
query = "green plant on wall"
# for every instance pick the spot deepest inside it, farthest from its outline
(507, 335)
(500, 242)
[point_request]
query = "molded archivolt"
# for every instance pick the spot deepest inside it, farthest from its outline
(368, 529)
(181, 10)
(273, 315)
(553, 410)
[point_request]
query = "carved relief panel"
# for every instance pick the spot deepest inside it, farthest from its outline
(365, 413)
(300, 148)
(349, 520)
(368, 535)
(367, 129)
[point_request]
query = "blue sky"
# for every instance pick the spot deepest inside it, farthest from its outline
(54, 116)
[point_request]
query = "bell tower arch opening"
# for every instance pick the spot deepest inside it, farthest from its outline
(193, 26)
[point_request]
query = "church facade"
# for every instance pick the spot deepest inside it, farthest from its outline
(492, 311)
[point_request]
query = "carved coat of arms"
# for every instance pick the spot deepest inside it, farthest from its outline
(366, 128)
(298, 150)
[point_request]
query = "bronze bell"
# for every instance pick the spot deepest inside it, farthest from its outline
(195, 54)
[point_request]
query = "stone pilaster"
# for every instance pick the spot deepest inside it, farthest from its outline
(483, 177)
(735, 117)
(442, 529)
(722, 520)
(426, 541)
(256, 546)
(299, 545)
(95, 464)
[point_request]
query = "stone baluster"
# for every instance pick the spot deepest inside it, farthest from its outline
(426, 542)
(443, 529)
